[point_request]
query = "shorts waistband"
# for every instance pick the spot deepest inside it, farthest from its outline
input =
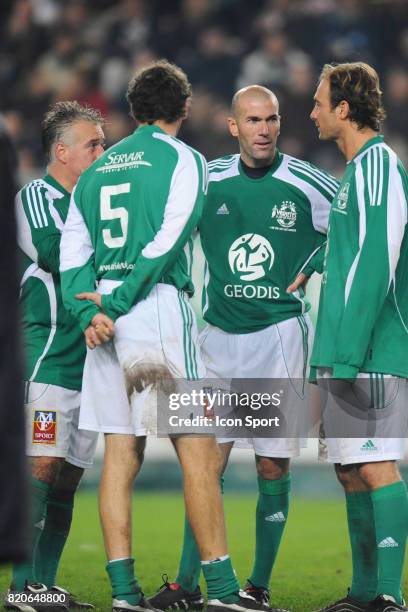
(106, 286)
(165, 288)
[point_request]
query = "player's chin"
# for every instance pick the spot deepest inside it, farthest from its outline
(323, 135)
(263, 153)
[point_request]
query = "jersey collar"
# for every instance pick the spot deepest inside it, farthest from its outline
(149, 128)
(51, 181)
(373, 141)
(275, 164)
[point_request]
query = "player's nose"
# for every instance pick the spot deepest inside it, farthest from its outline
(263, 128)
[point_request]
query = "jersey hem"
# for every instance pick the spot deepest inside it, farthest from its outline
(49, 379)
(230, 330)
(372, 370)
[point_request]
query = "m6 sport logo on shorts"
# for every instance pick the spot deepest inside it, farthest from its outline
(45, 427)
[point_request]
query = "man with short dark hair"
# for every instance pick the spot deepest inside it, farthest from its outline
(54, 347)
(129, 228)
(362, 329)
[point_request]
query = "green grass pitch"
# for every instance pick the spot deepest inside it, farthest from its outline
(313, 567)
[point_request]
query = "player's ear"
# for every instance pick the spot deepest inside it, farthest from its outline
(60, 152)
(343, 109)
(233, 128)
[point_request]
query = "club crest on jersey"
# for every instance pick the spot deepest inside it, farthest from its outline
(285, 215)
(342, 198)
(45, 427)
(251, 256)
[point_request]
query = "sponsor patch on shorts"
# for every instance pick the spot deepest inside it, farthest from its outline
(45, 427)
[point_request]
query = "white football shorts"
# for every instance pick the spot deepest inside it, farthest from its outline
(156, 341)
(280, 351)
(388, 396)
(52, 415)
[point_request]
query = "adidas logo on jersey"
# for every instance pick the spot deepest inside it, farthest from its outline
(369, 446)
(223, 210)
(278, 517)
(388, 543)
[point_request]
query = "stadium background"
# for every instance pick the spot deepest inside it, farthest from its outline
(87, 50)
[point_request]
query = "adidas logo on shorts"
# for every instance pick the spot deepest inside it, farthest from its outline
(388, 543)
(369, 446)
(278, 517)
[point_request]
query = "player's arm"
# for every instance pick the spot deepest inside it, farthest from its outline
(39, 227)
(383, 216)
(77, 266)
(321, 189)
(181, 215)
(314, 263)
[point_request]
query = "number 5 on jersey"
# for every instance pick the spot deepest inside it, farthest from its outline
(108, 214)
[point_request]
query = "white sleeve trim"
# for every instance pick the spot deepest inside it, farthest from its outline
(24, 230)
(362, 229)
(76, 245)
(396, 214)
(183, 192)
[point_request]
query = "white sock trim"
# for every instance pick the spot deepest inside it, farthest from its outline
(120, 559)
(216, 560)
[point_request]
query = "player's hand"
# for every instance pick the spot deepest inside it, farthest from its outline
(99, 331)
(103, 326)
(91, 337)
(92, 296)
(300, 281)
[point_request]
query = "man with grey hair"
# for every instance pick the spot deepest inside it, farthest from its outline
(73, 139)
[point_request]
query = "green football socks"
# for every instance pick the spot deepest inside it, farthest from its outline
(271, 516)
(24, 572)
(390, 505)
(123, 581)
(221, 580)
(190, 567)
(360, 517)
(53, 537)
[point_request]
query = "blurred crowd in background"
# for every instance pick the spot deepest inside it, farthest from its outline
(88, 49)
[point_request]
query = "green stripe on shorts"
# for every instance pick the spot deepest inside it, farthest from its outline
(190, 353)
(185, 341)
(305, 337)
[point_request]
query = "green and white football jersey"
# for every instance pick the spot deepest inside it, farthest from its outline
(131, 217)
(257, 235)
(362, 324)
(53, 341)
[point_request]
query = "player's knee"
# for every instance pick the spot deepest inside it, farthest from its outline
(379, 473)
(123, 455)
(272, 469)
(46, 469)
